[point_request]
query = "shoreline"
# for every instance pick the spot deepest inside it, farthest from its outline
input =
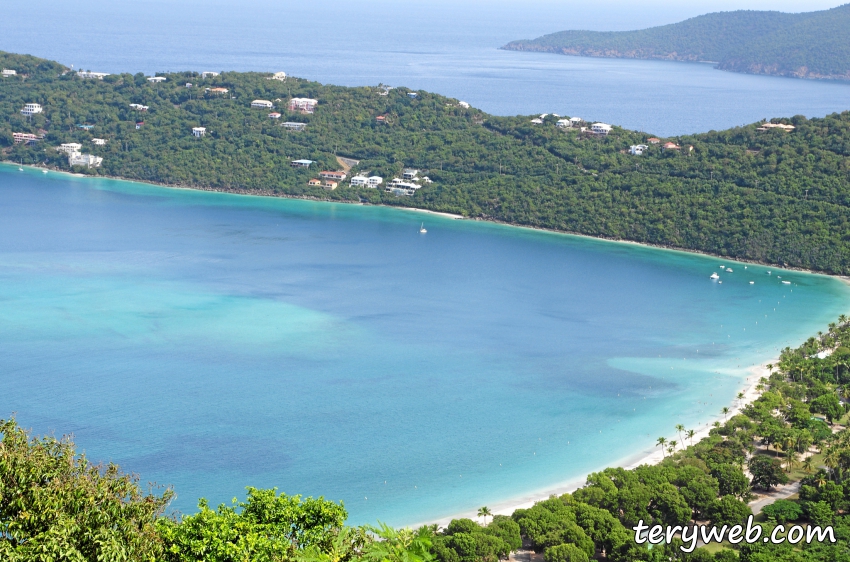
(647, 456)
(844, 278)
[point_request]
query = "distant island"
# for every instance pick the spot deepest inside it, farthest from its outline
(805, 45)
(772, 192)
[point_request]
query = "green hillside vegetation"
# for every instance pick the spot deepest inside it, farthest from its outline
(769, 196)
(56, 506)
(806, 45)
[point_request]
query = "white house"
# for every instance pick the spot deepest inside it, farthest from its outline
(576, 120)
(208, 74)
(410, 174)
(70, 148)
(274, 115)
(562, 123)
(637, 149)
(139, 107)
(156, 79)
(99, 142)
(412, 94)
(262, 104)
(374, 181)
(295, 126)
(199, 131)
(31, 109)
(278, 76)
(601, 128)
(401, 187)
(27, 138)
(91, 75)
(87, 160)
(307, 105)
(301, 163)
(8, 72)
(359, 181)
(537, 121)
(463, 104)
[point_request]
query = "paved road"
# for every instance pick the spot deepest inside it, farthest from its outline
(779, 493)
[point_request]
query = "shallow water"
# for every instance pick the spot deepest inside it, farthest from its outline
(215, 341)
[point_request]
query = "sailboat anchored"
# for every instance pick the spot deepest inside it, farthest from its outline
(422, 228)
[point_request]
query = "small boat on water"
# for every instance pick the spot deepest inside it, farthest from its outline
(714, 276)
(422, 229)
(768, 273)
(728, 270)
(752, 282)
(786, 282)
(44, 171)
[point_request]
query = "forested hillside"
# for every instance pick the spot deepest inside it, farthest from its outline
(771, 195)
(806, 45)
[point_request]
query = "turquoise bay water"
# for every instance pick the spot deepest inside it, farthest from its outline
(214, 341)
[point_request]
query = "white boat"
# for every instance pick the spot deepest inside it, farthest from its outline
(44, 171)
(786, 282)
(720, 281)
(768, 273)
(714, 276)
(752, 282)
(728, 270)
(422, 229)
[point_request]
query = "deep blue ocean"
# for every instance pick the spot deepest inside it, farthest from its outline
(211, 341)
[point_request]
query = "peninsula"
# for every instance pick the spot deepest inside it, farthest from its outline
(773, 192)
(805, 45)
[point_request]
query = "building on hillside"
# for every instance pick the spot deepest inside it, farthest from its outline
(359, 181)
(69, 148)
(262, 104)
(26, 138)
(156, 79)
(412, 95)
(99, 142)
(576, 121)
(85, 127)
(338, 176)
(208, 74)
(463, 104)
(278, 76)
(537, 121)
(637, 149)
(374, 181)
(410, 173)
(381, 118)
(780, 126)
(305, 105)
(216, 91)
(330, 185)
(671, 146)
(87, 160)
(188, 84)
(294, 126)
(274, 115)
(199, 131)
(562, 123)
(91, 75)
(8, 72)
(139, 124)
(139, 107)
(31, 109)
(653, 140)
(601, 128)
(301, 163)
(314, 182)
(401, 187)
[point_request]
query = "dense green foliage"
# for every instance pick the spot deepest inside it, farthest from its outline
(810, 44)
(769, 196)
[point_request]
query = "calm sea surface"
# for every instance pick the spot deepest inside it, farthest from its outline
(441, 46)
(214, 341)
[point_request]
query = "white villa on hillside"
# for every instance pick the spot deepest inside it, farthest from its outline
(208, 74)
(157, 79)
(278, 76)
(91, 75)
(99, 142)
(87, 160)
(199, 131)
(139, 107)
(638, 149)
(26, 138)
(338, 176)
(262, 104)
(362, 181)
(69, 148)
(401, 187)
(410, 174)
(463, 104)
(307, 105)
(562, 123)
(8, 72)
(301, 163)
(31, 109)
(601, 128)
(294, 126)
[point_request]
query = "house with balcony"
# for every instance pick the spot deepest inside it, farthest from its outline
(8, 72)
(329, 175)
(208, 74)
(26, 138)
(88, 74)
(99, 142)
(262, 104)
(314, 182)
(401, 187)
(156, 79)
(601, 128)
(304, 105)
(301, 163)
(31, 109)
(69, 148)
(87, 160)
(198, 132)
(638, 149)
(278, 76)
(292, 125)
(410, 173)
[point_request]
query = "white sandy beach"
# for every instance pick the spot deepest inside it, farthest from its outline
(649, 456)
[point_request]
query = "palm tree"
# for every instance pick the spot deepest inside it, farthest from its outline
(740, 396)
(680, 428)
(808, 465)
(830, 459)
(661, 442)
(690, 434)
(725, 411)
(673, 445)
(485, 513)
